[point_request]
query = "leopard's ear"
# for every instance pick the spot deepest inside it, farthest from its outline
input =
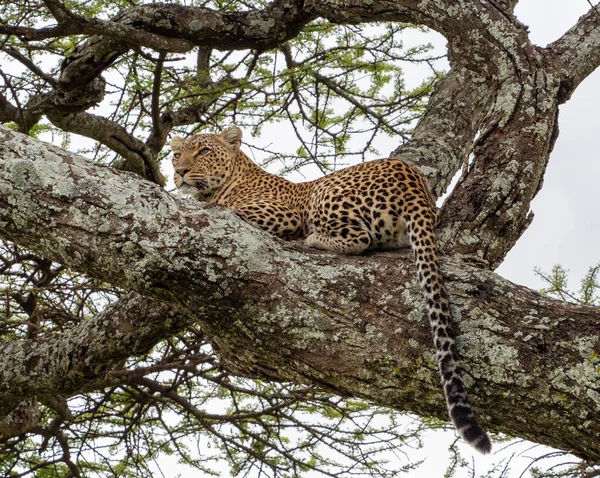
(233, 137)
(176, 143)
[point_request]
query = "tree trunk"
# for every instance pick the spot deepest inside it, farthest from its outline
(275, 310)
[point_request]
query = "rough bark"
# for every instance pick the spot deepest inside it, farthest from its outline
(67, 362)
(273, 310)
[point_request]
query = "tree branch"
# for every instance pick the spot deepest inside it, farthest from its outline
(30, 65)
(64, 363)
(354, 325)
(59, 11)
(25, 118)
(444, 136)
(516, 90)
(138, 157)
(121, 30)
(578, 50)
(160, 129)
(8, 112)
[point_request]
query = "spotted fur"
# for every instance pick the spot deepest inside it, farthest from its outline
(381, 204)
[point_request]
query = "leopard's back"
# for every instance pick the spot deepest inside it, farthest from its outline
(375, 197)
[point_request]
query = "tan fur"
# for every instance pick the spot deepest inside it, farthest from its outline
(381, 204)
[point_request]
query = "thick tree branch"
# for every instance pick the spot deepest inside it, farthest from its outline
(490, 208)
(444, 136)
(353, 325)
(122, 30)
(64, 363)
(426, 12)
(461, 23)
(579, 50)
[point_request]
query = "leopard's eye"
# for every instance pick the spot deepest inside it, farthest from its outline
(202, 151)
(176, 155)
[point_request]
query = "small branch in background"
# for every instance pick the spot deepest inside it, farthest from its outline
(30, 65)
(160, 128)
(60, 12)
(156, 85)
(203, 66)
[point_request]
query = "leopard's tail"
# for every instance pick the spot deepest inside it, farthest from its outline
(442, 329)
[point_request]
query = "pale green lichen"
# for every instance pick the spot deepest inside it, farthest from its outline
(196, 25)
(413, 343)
(584, 375)
(413, 298)
(373, 333)
(478, 340)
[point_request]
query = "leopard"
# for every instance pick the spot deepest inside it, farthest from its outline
(379, 204)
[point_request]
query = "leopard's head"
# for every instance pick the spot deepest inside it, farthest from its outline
(203, 163)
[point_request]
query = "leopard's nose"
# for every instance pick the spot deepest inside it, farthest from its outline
(182, 171)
